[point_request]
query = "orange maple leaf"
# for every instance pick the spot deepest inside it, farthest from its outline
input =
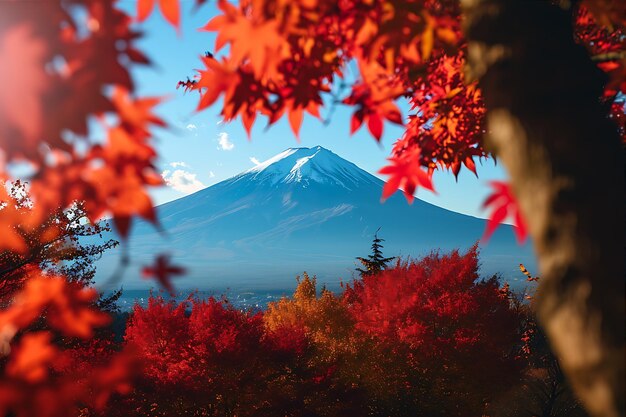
(169, 8)
(69, 307)
(219, 77)
(124, 195)
(32, 358)
(258, 40)
(135, 114)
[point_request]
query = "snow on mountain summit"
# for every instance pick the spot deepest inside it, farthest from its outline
(305, 165)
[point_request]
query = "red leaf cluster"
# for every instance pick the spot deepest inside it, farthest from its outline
(436, 304)
(38, 379)
(63, 65)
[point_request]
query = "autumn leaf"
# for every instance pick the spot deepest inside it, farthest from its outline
(115, 377)
(24, 81)
(375, 125)
(219, 77)
(169, 8)
(407, 175)
(163, 271)
(120, 184)
(259, 41)
(503, 205)
(69, 307)
(32, 358)
(428, 38)
(374, 98)
(356, 121)
(295, 120)
(136, 114)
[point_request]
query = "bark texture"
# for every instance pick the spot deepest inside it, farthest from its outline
(566, 163)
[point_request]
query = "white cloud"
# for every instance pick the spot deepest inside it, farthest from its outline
(191, 127)
(182, 181)
(179, 164)
(255, 161)
(211, 174)
(224, 142)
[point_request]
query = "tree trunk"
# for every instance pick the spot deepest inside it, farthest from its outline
(566, 164)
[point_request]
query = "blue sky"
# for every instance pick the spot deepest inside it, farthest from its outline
(198, 151)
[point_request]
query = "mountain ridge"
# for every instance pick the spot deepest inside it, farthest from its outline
(303, 209)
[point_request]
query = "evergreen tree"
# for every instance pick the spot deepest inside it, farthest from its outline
(375, 262)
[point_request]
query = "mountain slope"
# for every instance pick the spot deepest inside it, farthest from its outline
(306, 209)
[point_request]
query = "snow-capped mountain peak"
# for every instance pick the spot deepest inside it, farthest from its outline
(304, 209)
(305, 165)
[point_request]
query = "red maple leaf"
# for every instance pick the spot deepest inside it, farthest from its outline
(503, 204)
(169, 8)
(163, 271)
(405, 174)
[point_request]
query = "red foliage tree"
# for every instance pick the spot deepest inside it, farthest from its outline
(201, 356)
(458, 333)
(229, 352)
(161, 333)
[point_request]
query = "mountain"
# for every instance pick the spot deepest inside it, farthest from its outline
(305, 209)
